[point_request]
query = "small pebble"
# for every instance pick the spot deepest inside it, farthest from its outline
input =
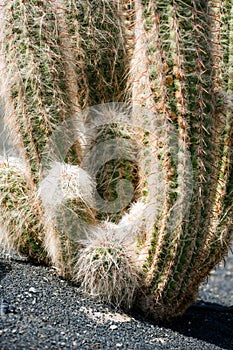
(4, 307)
(113, 327)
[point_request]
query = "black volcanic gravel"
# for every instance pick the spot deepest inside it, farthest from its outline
(51, 314)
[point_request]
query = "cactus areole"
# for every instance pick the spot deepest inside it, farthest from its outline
(123, 115)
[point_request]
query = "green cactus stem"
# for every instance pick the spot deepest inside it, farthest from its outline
(100, 53)
(33, 76)
(23, 230)
(185, 78)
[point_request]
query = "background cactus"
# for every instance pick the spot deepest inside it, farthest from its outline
(58, 58)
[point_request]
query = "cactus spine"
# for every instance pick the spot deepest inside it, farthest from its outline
(60, 57)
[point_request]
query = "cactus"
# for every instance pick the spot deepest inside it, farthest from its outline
(182, 71)
(46, 81)
(22, 229)
(172, 60)
(106, 269)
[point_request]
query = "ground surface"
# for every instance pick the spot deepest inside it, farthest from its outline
(51, 314)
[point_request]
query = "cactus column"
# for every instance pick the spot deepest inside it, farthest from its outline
(185, 53)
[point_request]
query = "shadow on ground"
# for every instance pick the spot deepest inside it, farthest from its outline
(4, 269)
(210, 322)
(206, 321)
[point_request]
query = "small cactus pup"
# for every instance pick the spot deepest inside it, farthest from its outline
(110, 158)
(106, 267)
(67, 198)
(181, 71)
(22, 230)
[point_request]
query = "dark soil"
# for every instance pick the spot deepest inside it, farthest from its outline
(51, 314)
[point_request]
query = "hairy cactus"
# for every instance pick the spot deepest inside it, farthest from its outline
(171, 61)
(20, 219)
(182, 71)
